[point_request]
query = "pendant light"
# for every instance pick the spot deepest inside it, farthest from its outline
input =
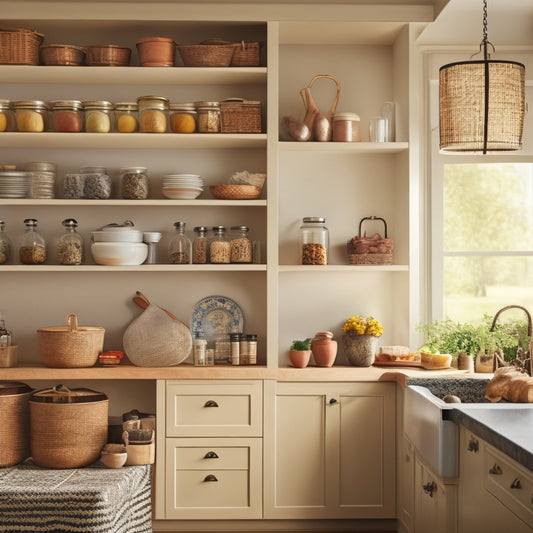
(482, 103)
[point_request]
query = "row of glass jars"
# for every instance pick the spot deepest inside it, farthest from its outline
(218, 249)
(149, 114)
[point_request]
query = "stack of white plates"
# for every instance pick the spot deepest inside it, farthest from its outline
(14, 184)
(182, 186)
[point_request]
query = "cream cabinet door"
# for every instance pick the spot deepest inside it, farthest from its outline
(330, 452)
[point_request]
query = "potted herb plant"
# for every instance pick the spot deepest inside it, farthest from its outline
(300, 353)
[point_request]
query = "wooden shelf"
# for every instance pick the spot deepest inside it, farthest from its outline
(339, 147)
(137, 268)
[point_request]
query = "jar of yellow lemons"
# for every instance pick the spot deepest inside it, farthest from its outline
(127, 117)
(7, 117)
(183, 118)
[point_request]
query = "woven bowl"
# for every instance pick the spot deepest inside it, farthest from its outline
(114, 455)
(62, 54)
(206, 55)
(230, 191)
(108, 56)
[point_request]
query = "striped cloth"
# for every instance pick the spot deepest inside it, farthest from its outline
(93, 499)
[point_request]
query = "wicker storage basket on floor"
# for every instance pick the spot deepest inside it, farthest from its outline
(20, 46)
(14, 422)
(68, 428)
(375, 250)
(240, 116)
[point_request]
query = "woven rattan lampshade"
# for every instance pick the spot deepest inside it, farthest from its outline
(482, 104)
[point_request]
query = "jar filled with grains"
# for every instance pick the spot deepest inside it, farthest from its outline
(5, 245)
(67, 116)
(32, 245)
(200, 246)
(208, 117)
(219, 248)
(127, 117)
(32, 115)
(70, 246)
(183, 118)
(153, 114)
(240, 245)
(96, 183)
(98, 116)
(314, 241)
(134, 183)
(179, 247)
(7, 116)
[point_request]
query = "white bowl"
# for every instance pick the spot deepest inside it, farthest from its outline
(182, 194)
(119, 253)
(117, 234)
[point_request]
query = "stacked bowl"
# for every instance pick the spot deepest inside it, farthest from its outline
(182, 186)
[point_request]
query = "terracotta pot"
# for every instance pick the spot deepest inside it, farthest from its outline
(360, 350)
(299, 358)
(324, 348)
(156, 52)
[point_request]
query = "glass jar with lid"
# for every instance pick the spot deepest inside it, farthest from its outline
(240, 245)
(127, 117)
(32, 249)
(179, 247)
(7, 116)
(134, 183)
(96, 183)
(314, 241)
(153, 114)
(200, 246)
(31, 115)
(67, 116)
(208, 117)
(98, 116)
(70, 245)
(6, 246)
(219, 247)
(183, 118)
(42, 178)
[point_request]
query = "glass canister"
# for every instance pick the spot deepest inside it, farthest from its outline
(31, 115)
(127, 117)
(179, 247)
(240, 245)
(200, 246)
(314, 241)
(7, 116)
(42, 178)
(32, 249)
(70, 245)
(208, 117)
(134, 183)
(96, 183)
(153, 114)
(219, 248)
(6, 246)
(183, 118)
(67, 116)
(346, 127)
(73, 186)
(98, 116)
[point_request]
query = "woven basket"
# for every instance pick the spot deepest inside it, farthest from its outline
(68, 428)
(246, 54)
(62, 54)
(206, 55)
(375, 250)
(240, 116)
(14, 422)
(20, 46)
(108, 56)
(70, 346)
(230, 191)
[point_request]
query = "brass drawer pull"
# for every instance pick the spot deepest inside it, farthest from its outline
(516, 484)
(473, 445)
(210, 478)
(430, 488)
(496, 470)
(211, 455)
(211, 403)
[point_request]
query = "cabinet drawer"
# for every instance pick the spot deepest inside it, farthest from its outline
(189, 457)
(510, 483)
(215, 408)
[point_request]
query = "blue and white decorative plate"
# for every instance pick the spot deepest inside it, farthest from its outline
(215, 316)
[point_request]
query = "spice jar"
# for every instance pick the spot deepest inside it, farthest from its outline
(98, 116)
(179, 247)
(73, 186)
(96, 183)
(208, 117)
(127, 117)
(219, 248)
(32, 245)
(240, 245)
(183, 118)
(5, 245)
(31, 115)
(346, 127)
(314, 241)
(200, 246)
(7, 116)
(70, 246)
(42, 178)
(153, 114)
(67, 116)
(134, 183)
(251, 339)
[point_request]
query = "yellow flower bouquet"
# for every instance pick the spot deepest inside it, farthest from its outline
(363, 326)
